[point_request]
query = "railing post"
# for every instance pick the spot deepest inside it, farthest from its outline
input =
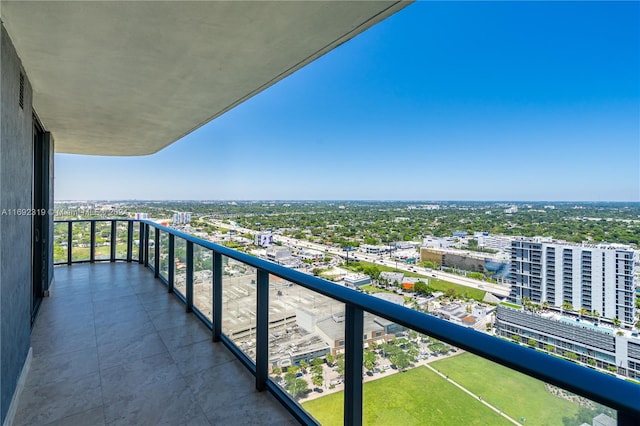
(189, 283)
(262, 330)
(113, 240)
(627, 419)
(129, 240)
(92, 244)
(217, 297)
(354, 326)
(69, 242)
(145, 232)
(172, 263)
(156, 257)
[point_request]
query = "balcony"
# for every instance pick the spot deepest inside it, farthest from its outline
(110, 346)
(148, 324)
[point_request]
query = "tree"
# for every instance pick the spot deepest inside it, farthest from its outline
(400, 360)
(316, 370)
(340, 364)
(450, 293)
(303, 365)
(276, 371)
(549, 348)
(317, 380)
(317, 361)
(369, 359)
(531, 342)
(297, 387)
(571, 355)
(330, 359)
(567, 306)
(421, 287)
(515, 338)
(616, 322)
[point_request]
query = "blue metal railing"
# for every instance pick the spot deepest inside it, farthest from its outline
(599, 387)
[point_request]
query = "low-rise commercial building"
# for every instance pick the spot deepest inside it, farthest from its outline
(585, 340)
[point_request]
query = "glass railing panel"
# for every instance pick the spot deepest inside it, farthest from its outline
(135, 244)
(239, 305)
(60, 242)
(103, 240)
(122, 232)
(536, 403)
(417, 378)
(81, 241)
(152, 247)
(180, 266)
(203, 281)
(306, 348)
(163, 252)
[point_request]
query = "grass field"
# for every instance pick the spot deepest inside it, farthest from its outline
(436, 284)
(420, 397)
(512, 392)
(415, 397)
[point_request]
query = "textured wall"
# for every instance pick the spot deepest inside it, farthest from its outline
(16, 159)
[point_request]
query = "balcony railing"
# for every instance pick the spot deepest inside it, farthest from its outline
(238, 297)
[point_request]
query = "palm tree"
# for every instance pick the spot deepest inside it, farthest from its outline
(596, 315)
(582, 311)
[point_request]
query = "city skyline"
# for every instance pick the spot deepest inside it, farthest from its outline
(442, 101)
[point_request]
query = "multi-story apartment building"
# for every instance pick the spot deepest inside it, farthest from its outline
(598, 278)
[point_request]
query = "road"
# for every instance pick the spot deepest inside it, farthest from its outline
(498, 290)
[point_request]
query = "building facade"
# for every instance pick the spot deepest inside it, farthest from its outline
(597, 278)
(594, 345)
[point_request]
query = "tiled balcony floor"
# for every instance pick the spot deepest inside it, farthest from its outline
(112, 347)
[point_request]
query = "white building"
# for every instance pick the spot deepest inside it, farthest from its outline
(181, 218)
(439, 243)
(371, 249)
(495, 242)
(263, 239)
(594, 277)
(356, 280)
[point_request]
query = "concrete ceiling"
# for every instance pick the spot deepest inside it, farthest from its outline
(131, 77)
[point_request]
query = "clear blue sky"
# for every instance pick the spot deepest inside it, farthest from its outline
(442, 101)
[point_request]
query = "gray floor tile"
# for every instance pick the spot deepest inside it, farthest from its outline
(184, 335)
(44, 404)
(93, 417)
(163, 404)
(130, 380)
(110, 332)
(60, 343)
(200, 356)
(129, 349)
(47, 369)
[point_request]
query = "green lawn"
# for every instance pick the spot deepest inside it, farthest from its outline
(415, 397)
(512, 392)
(372, 289)
(436, 284)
